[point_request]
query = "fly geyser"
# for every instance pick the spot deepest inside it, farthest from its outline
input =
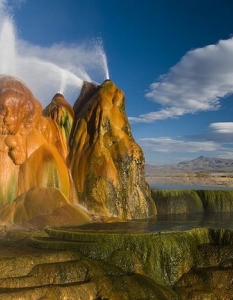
(106, 163)
(66, 166)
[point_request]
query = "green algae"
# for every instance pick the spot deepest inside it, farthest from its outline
(108, 266)
(192, 201)
(221, 236)
(133, 265)
(217, 200)
(157, 255)
(177, 201)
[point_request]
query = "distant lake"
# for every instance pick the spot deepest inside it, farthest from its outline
(188, 187)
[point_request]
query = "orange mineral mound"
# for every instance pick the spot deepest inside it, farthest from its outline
(107, 165)
(54, 164)
(40, 207)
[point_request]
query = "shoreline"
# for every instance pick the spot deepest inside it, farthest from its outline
(205, 180)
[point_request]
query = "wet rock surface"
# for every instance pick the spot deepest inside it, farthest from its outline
(78, 263)
(212, 280)
(71, 166)
(34, 273)
(106, 163)
(190, 201)
(86, 153)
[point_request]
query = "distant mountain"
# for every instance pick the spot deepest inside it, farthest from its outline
(202, 163)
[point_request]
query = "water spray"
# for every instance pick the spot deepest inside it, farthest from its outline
(8, 51)
(98, 44)
(46, 77)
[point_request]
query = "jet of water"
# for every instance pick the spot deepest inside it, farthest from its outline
(7, 48)
(36, 73)
(105, 64)
(100, 52)
(45, 78)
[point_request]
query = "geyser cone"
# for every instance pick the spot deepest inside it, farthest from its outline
(87, 91)
(62, 113)
(106, 163)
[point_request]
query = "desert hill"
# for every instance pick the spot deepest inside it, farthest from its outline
(199, 164)
(203, 171)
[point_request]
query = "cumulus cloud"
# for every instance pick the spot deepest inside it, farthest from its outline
(48, 70)
(196, 83)
(167, 144)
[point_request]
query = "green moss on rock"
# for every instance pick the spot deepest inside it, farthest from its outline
(192, 201)
(106, 163)
(217, 200)
(167, 265)
(158, 256)
(177, 201)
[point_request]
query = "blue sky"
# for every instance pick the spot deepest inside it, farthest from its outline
(172, 58)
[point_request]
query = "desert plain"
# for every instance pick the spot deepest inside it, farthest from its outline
(202, 172)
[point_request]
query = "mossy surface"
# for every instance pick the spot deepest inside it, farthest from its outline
(156, 255)
(157, 265)
(192, 201)
(177, 201)
(217, 200)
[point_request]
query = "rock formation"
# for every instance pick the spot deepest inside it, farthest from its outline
(92, 264)
(84, 155)
(62, 113)
(33, 155)
(193, 201)
(107, 165)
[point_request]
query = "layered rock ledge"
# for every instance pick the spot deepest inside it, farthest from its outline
(81, 263)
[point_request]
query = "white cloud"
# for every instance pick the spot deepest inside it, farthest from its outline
(222, 127)
(167, 144)
(227, 154)
(196, 83)
(164, 150)
(220, 132)
(168, 112)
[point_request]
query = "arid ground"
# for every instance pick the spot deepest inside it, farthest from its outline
(202, 172)
(189, 179)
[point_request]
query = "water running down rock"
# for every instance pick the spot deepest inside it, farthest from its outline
(70, 163)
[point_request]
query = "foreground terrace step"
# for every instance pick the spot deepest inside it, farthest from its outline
(212, 277)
